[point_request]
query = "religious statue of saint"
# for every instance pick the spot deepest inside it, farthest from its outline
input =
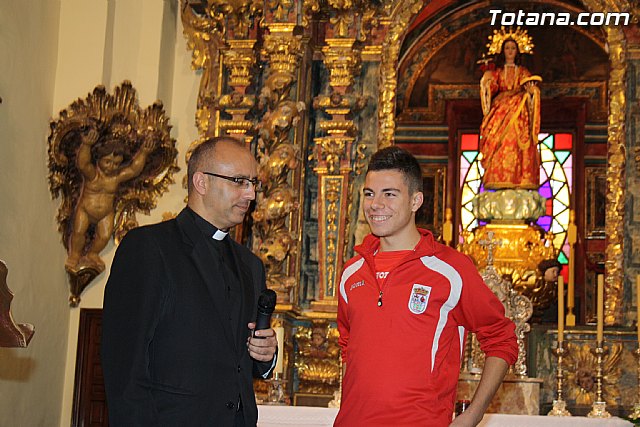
(511, 107)
(100, 160)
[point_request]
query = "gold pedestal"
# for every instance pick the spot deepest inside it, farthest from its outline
(521, 249)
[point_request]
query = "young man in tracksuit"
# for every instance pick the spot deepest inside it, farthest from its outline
(406, 303)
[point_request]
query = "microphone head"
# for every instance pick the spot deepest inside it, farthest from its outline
(267, 301)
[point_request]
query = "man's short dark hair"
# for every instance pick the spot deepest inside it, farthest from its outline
(395, 158)
(203, 152)
(549, 263)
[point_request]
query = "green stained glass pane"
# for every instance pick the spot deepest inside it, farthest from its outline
(562, 155)
(548, 141)
(470, 155)
(563, 258)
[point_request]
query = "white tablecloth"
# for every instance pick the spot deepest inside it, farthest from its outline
(304, 416)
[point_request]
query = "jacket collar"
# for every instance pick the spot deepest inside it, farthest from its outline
(425, 247)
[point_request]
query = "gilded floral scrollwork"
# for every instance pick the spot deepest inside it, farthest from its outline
(108, 160)
(278, 156)
(581, 374)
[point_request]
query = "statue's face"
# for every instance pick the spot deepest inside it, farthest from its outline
(551, 274)
(510, 50)
(110, 164)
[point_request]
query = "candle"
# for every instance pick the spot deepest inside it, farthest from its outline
(572, 234)
(560, 309)
(638, 305)
(279, 368)
(600, 309)
(571, 285)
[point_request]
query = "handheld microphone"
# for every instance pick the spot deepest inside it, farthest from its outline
(266, 305)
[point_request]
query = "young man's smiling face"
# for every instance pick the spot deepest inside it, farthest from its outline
(389, 207)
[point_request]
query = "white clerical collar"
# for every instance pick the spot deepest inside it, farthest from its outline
(219, 235)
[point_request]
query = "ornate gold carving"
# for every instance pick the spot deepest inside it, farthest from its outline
(278, 158)
(581, 374)
(616, 190)
(318, 358)
(521, 37)
(400, 18)
(283, 49)
(108, 159)
(239, 60)
(203, 28)
(517, 307)
(522, 249)
(343, 58)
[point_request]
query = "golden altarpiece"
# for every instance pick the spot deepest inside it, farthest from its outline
(314, 87)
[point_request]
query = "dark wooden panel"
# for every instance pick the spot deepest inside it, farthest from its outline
(89, 402)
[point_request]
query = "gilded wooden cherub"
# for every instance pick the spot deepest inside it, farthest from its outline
(108, 159)
(101, 165)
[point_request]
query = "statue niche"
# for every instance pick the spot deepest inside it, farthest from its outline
(108, 160)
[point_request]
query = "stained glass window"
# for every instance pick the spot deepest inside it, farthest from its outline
(555, 184)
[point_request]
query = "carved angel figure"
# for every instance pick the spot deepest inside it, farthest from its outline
(101, 165)
(108, 159)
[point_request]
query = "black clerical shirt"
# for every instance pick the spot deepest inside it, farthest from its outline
(219, 244)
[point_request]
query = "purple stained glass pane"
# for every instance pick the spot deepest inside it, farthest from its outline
(544, 222)
(545, 190)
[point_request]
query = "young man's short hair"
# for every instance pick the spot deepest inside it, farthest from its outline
(395, 158)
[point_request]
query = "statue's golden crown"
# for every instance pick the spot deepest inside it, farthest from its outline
(521, 37)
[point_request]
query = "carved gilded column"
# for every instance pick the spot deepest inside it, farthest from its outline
(203, 31)
(616, 162)
(334, 152)
(223, 35)
(275, 228)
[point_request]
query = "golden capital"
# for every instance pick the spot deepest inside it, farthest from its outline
(342, 58)
(284, 51)
(333, 154)
(239, 60)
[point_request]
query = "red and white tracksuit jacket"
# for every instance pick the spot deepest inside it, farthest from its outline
(403, 358)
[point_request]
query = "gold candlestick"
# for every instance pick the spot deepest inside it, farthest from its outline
(559, 405)
(277, 394)
(599, 407)
(636, 408)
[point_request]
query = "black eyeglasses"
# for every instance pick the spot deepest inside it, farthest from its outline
(241, 182)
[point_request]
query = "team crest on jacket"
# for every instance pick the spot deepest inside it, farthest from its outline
(419, 298)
